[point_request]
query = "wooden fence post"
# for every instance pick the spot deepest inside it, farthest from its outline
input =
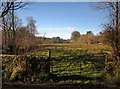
(106, 60)
(48, 62)
(49, 54)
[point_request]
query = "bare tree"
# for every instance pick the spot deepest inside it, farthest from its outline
(22, 40)
(6, 28)
(113, 24)
(112, 36)
(7, 6)
(31, 26)
(7, 32)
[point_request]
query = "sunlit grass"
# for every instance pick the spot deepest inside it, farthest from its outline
(71, 49)
(81, 65)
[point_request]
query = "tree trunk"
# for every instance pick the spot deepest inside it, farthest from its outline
(117, 31)
(14, 43)
(4, 34)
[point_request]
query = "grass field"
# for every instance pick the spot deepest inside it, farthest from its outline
(71, 49)
(76, 63)
(69, 64)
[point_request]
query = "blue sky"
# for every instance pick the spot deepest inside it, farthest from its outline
(61, 18)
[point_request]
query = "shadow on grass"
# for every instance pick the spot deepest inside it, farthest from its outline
(98, 62)
(73, 77)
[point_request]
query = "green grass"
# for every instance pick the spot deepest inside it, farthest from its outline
(71, 49)
(82, 65)
(79, 63)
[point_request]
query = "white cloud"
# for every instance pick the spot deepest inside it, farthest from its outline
(70, 29)
(63, 32)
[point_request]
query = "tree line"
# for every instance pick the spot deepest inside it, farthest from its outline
(22, 38)
(88, 38)
(110, 34)
(16, 38)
